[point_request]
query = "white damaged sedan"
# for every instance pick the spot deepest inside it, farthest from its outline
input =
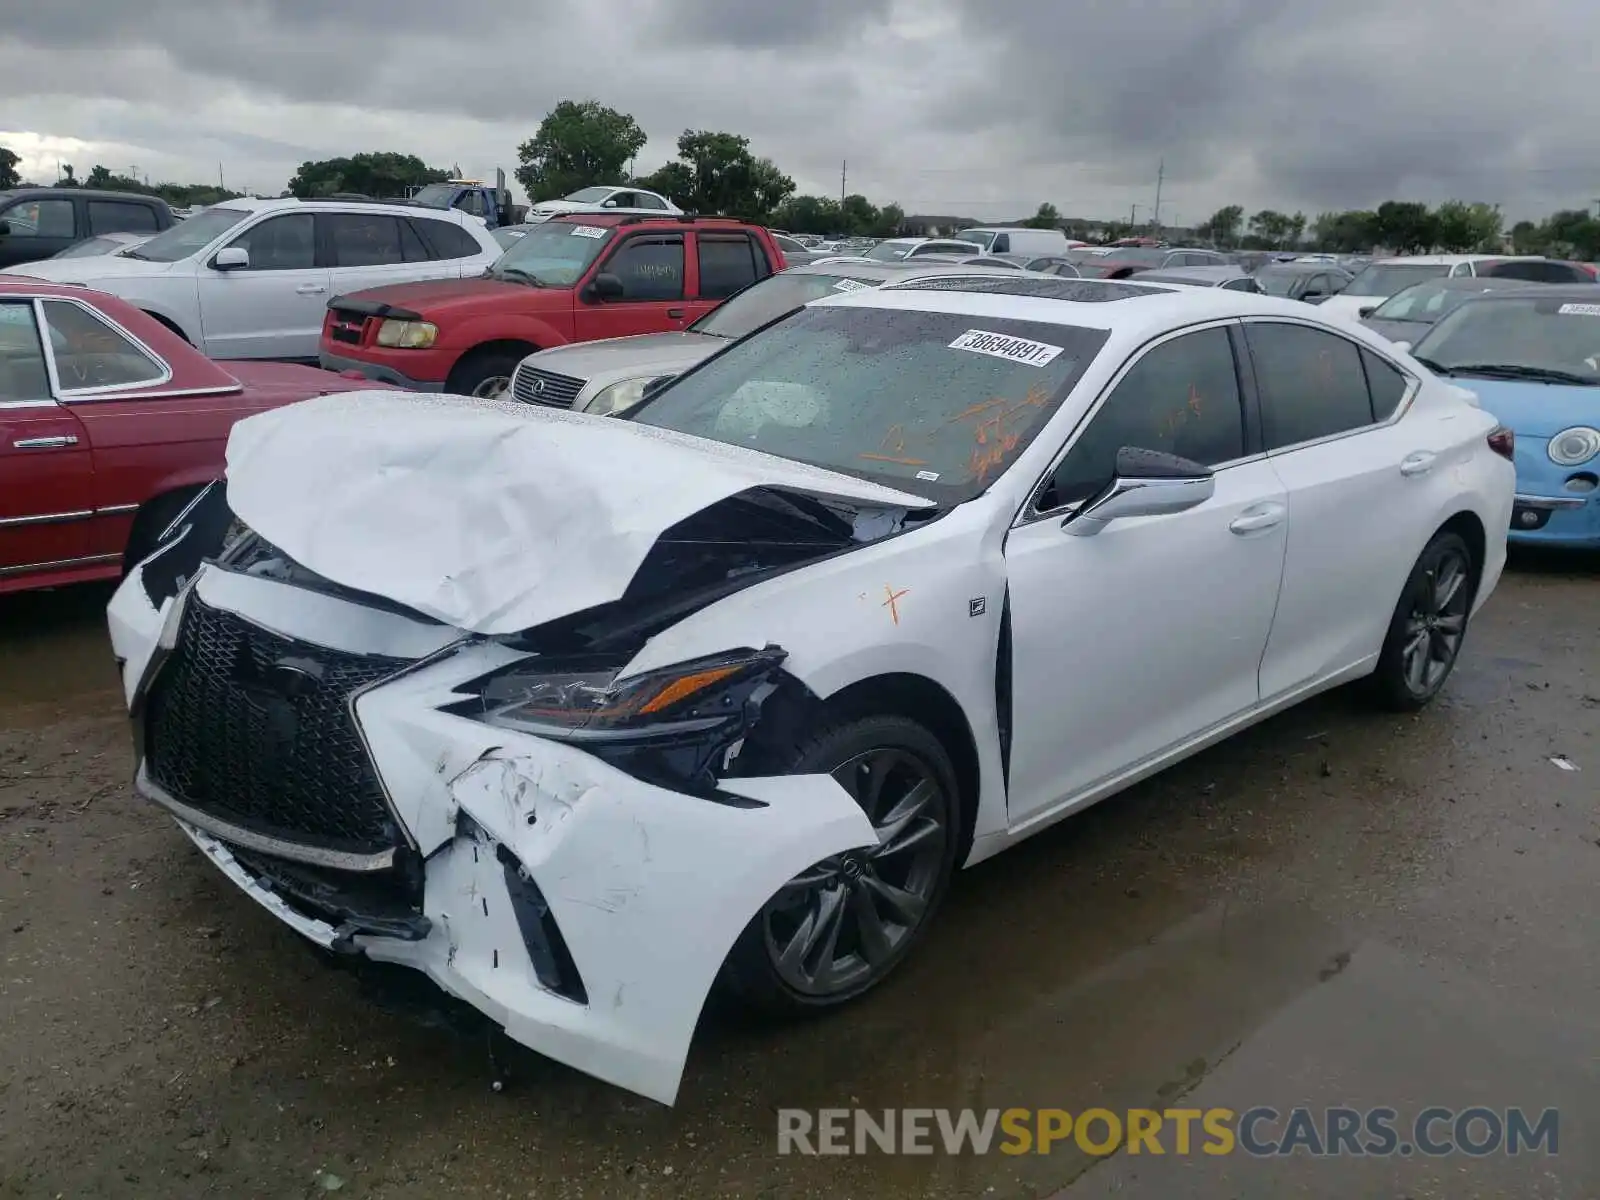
(581, 716)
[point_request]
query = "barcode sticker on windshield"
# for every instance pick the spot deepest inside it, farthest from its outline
(850, 285)
(1012, 349)
(595, 231)
(1580, 310)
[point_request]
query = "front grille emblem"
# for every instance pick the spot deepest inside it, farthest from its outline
(538, 387)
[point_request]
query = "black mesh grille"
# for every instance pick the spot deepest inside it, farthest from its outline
(255, 728)
(544, 387)
(1082, 291)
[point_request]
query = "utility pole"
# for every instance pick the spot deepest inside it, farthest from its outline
(221, 186)
(843, 166)
(1155, 218)
(1133, 216)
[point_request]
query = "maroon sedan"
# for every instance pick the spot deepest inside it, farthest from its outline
(109, 423)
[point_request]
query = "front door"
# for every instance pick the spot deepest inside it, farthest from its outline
(46, 472)
(274, 307)
(650, 267)
(1130, 642)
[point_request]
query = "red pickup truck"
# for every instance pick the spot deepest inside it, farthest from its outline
(109, 423)
(574, 278)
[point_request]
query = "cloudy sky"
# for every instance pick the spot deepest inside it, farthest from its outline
(946, 106)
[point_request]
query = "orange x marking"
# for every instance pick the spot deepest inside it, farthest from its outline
(894, 609)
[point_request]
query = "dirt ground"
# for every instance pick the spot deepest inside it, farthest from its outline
(1335, 907)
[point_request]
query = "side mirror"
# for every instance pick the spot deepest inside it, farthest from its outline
(1313, 297)
(1403, 345)
(604, 286)
(1148, 483)
(609, 204)
(1367, 311)
(231, 258)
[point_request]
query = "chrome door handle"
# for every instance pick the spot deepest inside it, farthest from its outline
(45, 443)
(1257, 517)
(310, 289)
(1419, 463)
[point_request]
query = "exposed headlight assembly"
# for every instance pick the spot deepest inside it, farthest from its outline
(617, 398)
(407, 335)
(1574, 447)
(680, 726)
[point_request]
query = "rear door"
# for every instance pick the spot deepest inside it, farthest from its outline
(1355, 475)
(455, 251)
(37, 229)
(652, 270)
(727, 263)
(273, 308)
(46, 472)
(121, 216)
(369, 250)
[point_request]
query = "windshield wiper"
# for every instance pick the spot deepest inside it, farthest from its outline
(136, 254)
(1436, 368)
(1514, 371)
(506, 272)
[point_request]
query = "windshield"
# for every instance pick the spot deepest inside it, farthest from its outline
(555, 254)
(1379, 280)
(92, 248)
(936, 403)
(189, 237)
(589, 195)
(1424, 303)
(1529, 334)
(984, 240)
(770, 299)
(1279, 283)
(435, 195)
(890, 251)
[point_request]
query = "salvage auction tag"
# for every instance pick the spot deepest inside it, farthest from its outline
(1580, 310)
(594, 231)
(851, 285)
(1012, 349)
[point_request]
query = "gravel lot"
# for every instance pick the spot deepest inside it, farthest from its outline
(1336, 907)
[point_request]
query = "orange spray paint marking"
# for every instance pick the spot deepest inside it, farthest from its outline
(890, 603)
(893, 458)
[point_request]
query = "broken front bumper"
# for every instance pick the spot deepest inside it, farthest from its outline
(584, 911)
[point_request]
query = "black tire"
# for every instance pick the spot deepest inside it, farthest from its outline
(1427, 629)
(475, 372)
(896, 749)
(150, 523)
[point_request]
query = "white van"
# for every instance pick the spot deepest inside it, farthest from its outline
(1013, 240)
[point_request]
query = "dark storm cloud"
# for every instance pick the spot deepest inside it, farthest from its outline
(1287, 103)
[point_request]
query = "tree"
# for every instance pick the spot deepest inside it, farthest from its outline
(1572, 233)
(1296, 230)
(380, 174)
(890, 218)
(1406, 226)
(1459, 226)
(1345, 232)
(808, 214)
(1222, 226)
(672, 181)
(578, 144)
(67, 178)
(8, 168)
(1270, 228)
(716, 173)
(1529, 238)
(1046, 218)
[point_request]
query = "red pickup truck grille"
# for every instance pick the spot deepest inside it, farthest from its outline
(346, 329)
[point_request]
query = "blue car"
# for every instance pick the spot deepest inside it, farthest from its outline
(1533, 357)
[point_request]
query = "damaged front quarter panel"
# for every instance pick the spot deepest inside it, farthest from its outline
(645, 889)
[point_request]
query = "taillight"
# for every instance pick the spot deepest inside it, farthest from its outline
(1503, 442)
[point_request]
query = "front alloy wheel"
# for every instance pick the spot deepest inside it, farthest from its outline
(839, 927)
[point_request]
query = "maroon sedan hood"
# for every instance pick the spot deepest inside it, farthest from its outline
(285, 383)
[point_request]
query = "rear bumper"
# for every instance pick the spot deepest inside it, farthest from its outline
(381, 372)
(1565, 520)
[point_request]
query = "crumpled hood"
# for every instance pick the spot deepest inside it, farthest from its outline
(644, 353)
(429, 296)
(489, 515)
(1535, 409)
(90, 270)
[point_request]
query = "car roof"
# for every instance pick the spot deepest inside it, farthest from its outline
(1581, 293)
(639, 218)
(252, 204)
(68, 193)
(1207, 274)
(1124, 306)
(24, 285)
(897, 272)
(1448, 260)
(1481, 283)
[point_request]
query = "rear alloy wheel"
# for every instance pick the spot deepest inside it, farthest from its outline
(838, 928)
(1428, 625)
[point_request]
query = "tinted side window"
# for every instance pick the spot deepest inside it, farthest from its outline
(651, 268)
(1312, 385)
(1539, 272)
(412, 246)
(91, 354)
(119, 216)
(727, 264)
(364, 239)
(1182, 398)
(646, 200)
(471, 202)
(447, 240)
(286, 243)
(1002, 244)
(1243, 284)
(22, 370)
(41, 218)
(1386, 385)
